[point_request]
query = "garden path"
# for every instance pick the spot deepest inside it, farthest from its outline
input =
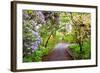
(60, 52)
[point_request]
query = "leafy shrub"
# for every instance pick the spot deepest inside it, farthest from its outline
(69, 38)
(86, 52)
(27, 58)
(44, 50)
(37, 56)
(87, 49)
(75, 50)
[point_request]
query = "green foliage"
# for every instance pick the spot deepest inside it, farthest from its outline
(75, 49)
(37, 56)
(64, 17)
(69, 38)
(86, 53)
(27, 58)
(59, 36)
(87, 49)
(81, 29)
(44, 50)
(27, 11)
(51, 43)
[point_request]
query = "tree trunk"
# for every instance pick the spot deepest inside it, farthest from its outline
(81, 49)
(48, 39)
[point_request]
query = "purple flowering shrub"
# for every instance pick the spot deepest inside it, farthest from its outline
(36, 33)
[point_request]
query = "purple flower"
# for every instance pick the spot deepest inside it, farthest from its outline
(41, 16)
(37, 41)
(35, 33)
(38, 38)
(34, 46)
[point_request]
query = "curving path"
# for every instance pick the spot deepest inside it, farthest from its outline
(60, 52)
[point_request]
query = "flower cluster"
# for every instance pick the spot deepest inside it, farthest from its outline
(36, 43)
(41, 16)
